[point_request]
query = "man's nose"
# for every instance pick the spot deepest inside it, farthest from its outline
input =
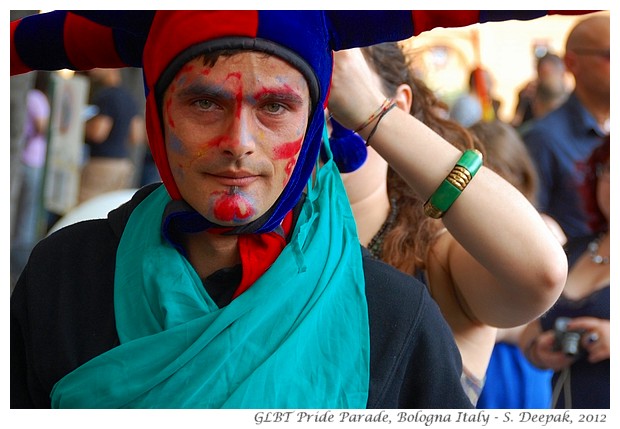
(240, 141)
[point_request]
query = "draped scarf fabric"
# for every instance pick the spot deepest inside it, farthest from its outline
(297, 338)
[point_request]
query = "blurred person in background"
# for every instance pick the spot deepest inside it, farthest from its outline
(28, 228)
(565, 137)
(534, 100)
(108, 134)
(478, 103)
(573, 337)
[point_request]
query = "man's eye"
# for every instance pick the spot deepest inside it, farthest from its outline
(274, 107)
(204, 104)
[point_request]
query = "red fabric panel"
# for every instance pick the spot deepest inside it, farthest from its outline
(17, 66)
(158, 149)
(81, 36)
(259, 251)
(169, 36)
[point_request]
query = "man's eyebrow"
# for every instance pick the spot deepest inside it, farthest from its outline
(285, 94)
(203, 90)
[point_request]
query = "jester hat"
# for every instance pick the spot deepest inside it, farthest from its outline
(160, 42)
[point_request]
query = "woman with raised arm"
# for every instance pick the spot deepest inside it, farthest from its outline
(488, 258)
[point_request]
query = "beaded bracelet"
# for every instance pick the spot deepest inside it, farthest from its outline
(452, 186)
(381, 115)
(382, 110)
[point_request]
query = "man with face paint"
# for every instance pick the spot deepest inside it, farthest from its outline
(234, 130)
(240, 282)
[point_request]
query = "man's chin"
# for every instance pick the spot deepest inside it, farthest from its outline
(231, 220)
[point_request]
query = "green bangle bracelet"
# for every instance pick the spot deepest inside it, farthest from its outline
(453, 185)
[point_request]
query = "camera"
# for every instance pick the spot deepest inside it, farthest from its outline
(567, 341)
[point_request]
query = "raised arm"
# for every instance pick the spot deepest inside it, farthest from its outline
(512, 268)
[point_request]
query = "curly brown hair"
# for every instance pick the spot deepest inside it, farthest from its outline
(405, 246)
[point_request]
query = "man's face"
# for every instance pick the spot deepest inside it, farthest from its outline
(587, 58)
(233, 133)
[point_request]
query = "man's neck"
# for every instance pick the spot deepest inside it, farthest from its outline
(597, 106)
(209, 253)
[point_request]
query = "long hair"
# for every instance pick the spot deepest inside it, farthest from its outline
(406, 244)
(507, 155)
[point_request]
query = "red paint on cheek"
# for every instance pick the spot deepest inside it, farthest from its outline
(287, 150)
(232, 207)
(289, 170)
(217, 141)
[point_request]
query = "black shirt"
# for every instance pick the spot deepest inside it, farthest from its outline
(62, 315)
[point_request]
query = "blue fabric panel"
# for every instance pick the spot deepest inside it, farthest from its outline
(505, 15)
(351, 28)
(46, 31)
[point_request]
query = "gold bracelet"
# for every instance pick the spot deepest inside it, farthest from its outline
(453, 185)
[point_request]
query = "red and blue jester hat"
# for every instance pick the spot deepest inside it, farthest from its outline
(160, 42)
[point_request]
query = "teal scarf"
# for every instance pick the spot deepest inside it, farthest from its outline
(297, 338)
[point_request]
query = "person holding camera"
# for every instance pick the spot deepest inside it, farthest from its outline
(573, 338)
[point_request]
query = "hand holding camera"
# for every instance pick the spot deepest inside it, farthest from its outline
(568, 340)
(595, 338)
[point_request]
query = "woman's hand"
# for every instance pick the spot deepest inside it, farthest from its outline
(541, 353)
(355, 92)
(596, 338)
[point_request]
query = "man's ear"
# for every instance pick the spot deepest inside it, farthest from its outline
(570, 61)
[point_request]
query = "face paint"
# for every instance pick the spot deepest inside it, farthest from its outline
(168, 115)
(233, 134)
(179, 79)
(182, 75)
(232, 207)
(216, 142)
(238, 93)
(285, 90)
(176, 144)
(288, 151)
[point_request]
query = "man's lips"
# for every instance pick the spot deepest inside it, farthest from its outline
(237, 178)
